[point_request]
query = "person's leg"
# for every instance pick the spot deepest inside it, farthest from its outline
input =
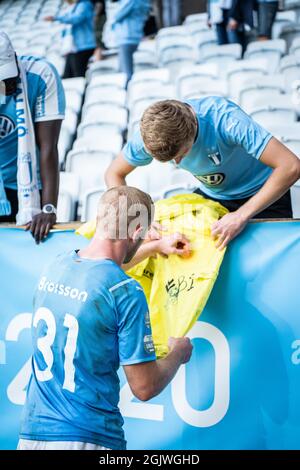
(126, 52)
(175, 12)
(221, 29)
(99, 37)
(266, 17)
(281, 209)
(68, 69)
(12, 197)
(80, 62)
(167, 6)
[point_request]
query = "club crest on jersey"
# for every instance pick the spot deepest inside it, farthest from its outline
(215, 158)
(212, 180)
(7, 126)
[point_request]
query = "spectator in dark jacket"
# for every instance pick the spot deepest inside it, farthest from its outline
(241, 16)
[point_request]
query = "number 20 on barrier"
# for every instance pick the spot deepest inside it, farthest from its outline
(16, 390)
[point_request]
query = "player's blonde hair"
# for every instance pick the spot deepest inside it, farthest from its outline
(167, 127)
(121, 210)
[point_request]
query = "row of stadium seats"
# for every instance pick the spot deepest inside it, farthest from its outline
(182, 63)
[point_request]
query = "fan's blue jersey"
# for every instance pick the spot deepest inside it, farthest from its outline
(225, 157)
(46, 99)
(89, 317)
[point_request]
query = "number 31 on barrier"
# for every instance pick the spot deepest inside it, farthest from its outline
(16, 390)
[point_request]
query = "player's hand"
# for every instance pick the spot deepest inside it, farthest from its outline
(232, 25)
(183, 347)
(154, 232)
(175, 244)
(48, 18)
(41, 225)
(227, 228)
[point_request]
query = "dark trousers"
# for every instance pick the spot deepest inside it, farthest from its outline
(12, 196)
(266, 17)
(76, 63)
(281, 209)
(230, 37)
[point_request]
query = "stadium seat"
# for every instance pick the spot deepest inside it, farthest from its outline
(145, 57)
(161, 75)
(295, 47)
(239, 72)
(196, 18)
(70, 184)
(279, 110)
(96, 137)
(64, 144)
(193, 87)
(255, 88)
(150, 92)
(117, 80)
(271, 50)
(73, 100)
(89, 166)
(290, 32)
(102, 67)
(204, 41)
(176, 58)
(65, 207)
(290, 68)
(70, 121)
(74, 84)
(105, 94)
(107, 114)
(90, 203)
(222, 55)
(283, 18)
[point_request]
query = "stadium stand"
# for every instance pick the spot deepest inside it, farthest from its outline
(181, 62)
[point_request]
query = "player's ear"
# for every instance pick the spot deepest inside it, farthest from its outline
(139, 233)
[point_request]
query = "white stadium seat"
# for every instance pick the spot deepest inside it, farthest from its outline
(97, 138)
(280, 110)
(113, 79)
(65, 207)
(271, 50)
(295, 47)
(239, 72)
(105, 94)
(256, 87)
(107, 114)
(89, 166)
(222, 55)
(90, 202)
(290, 68)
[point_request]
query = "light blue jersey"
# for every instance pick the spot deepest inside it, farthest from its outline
(89, 317)
(225, 156)
(47, 103)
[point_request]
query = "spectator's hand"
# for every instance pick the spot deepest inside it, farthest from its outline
(48, 18)
(183, 347)
(175, 244)
(227, 228)
(41, 225)
(232, 25)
